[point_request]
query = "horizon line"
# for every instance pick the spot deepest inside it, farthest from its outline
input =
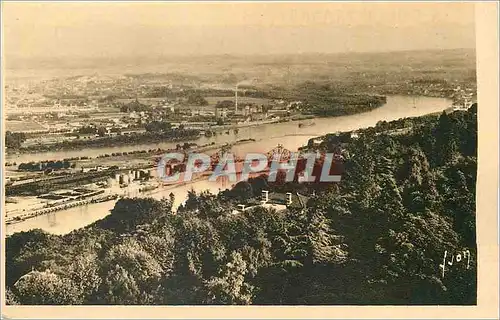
(235, 55)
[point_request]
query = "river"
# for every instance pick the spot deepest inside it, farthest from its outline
(267, 137)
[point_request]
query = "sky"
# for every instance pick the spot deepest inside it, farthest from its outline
(99, 29)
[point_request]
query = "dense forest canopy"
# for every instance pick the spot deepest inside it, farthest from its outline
(329, 100)
(377, 237)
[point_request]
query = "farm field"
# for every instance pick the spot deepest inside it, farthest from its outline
(19, 126)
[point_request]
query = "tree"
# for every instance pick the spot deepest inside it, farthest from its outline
(310, 239)
(84, 272)
(198, 254)
(258, 184)
(225, 104)
(204, 205)
(242, 191)
(158, 126)
(47, 288)
(197, 99)
(407, 259)
(129, 213)
(26, 251)
(230, 287)
(135, 269)
(120, 287)
(14, 139)
(91, 129)
(101, 131)
(10, 298)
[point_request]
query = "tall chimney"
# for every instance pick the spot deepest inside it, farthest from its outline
(236, 98)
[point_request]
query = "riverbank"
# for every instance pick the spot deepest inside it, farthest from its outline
(266, 138)
(119, 161)
(102, 142)
(172, 136)
(49, 209)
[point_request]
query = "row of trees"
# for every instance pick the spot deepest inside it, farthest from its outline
(14, 140)
(378, 237)
(158, 126)
(45, 165)
(195, 94)
(110, 141)
(92, 129)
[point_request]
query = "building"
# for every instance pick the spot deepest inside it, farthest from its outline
(250, 109)
(221, 112)
(258, 116)
(275, 200)
(134, 115)
(195, 112)
(169, 107)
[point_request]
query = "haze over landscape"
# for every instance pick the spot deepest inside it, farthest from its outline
(51, 31)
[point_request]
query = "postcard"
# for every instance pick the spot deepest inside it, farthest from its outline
(249, 159)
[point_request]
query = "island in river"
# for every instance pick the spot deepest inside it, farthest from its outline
(266, 138)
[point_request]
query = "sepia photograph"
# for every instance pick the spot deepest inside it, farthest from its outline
(240, 153)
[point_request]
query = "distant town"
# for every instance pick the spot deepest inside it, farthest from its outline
(89, 108)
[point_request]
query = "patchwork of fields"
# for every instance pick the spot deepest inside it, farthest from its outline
(25, 126)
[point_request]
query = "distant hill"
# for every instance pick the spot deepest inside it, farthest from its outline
(265, 68)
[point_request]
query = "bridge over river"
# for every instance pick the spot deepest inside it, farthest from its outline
(266, 138)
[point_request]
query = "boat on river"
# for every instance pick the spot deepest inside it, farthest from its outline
(306, 124)
(149, 187)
